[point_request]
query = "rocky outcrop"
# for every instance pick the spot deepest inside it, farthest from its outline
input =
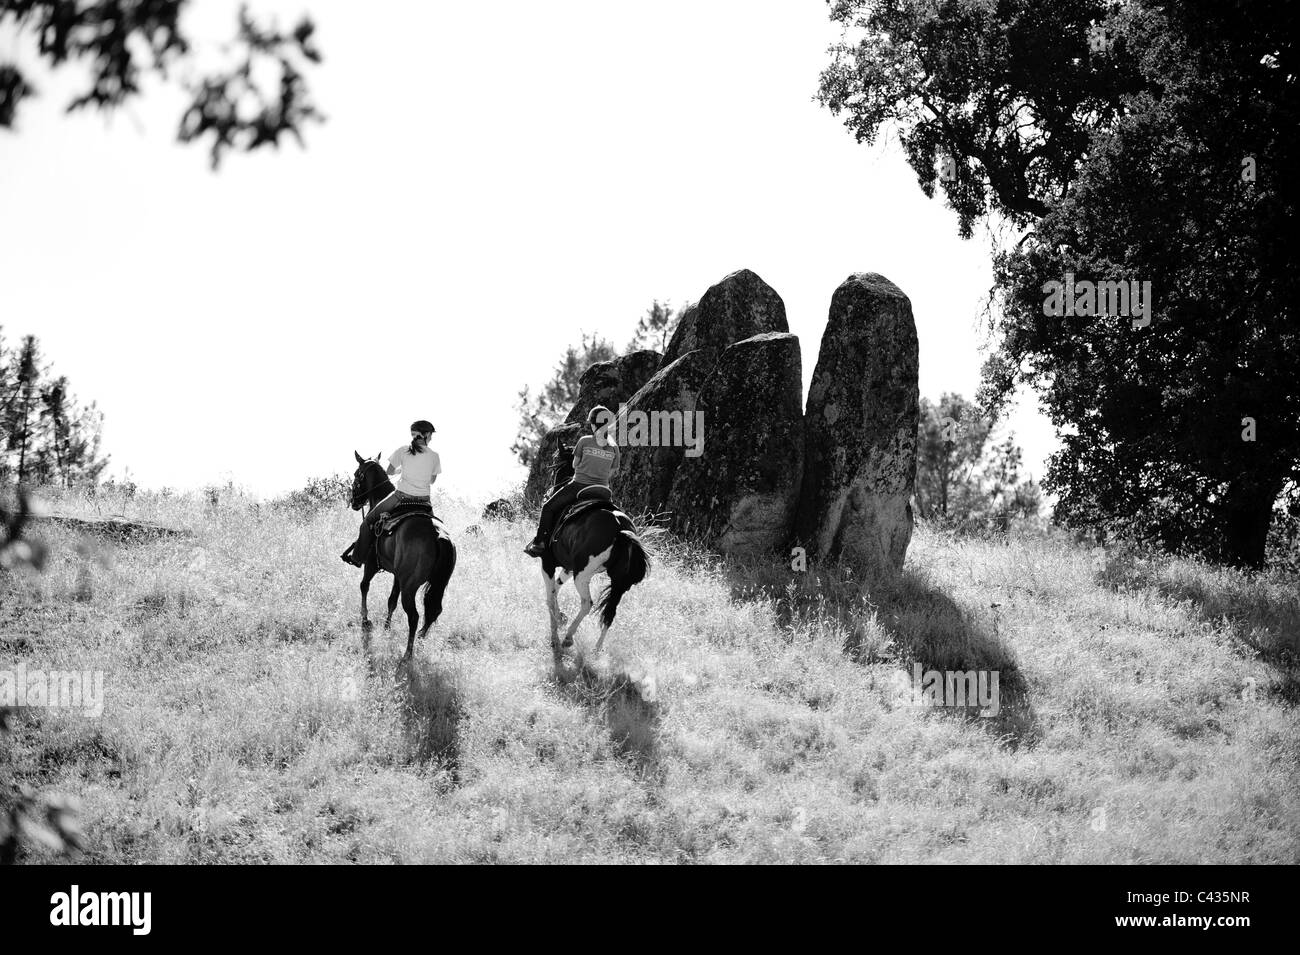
(740, 306)
(502, 509)
(860, 429)
(611, 383)
(835, 477)
(116, 529)
(668, 401)
(608, 383)
(741, 494)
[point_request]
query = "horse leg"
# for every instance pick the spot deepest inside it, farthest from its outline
(432, 608)
(392, 603)
(552, 606)
(370, 570)
(582, 584)
(412, 617)
(430, 612)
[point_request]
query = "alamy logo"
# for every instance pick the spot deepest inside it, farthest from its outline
(655, 429)
(1099, 39)
(62, 689)
(102, 908)
(1070, 298)
(949, 688)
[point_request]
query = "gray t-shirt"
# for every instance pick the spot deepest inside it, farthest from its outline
(592, 463)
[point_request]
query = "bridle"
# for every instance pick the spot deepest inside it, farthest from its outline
(360, 497)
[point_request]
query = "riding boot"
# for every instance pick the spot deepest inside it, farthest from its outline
(360, 551)
(538, 544)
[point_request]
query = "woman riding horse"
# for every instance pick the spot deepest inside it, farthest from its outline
(419, 467)
(595, 461)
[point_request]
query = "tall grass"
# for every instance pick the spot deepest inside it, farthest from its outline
(739, 714)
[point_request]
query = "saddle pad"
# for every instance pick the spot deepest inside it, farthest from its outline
(388, 522)
(581, 507)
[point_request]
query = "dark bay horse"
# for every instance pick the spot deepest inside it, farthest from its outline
(418, 552)
(595, 540)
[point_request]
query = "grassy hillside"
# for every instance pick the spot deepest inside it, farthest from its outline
(737, 716)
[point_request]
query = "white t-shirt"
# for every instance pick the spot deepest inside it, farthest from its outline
(418, 470)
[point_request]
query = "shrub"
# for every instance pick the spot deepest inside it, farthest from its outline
(319, 494)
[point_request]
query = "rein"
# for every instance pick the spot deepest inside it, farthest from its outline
(361, 497)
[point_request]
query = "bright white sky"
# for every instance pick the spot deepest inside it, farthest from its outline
(492, 180)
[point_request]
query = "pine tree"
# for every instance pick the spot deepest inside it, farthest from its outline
(20, 416)
(539, 413)
(655, 327)
(46, 436)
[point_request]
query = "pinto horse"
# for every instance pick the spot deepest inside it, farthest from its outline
(418, 552)
(599, 538)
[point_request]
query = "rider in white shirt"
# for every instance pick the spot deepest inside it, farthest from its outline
(419, 466)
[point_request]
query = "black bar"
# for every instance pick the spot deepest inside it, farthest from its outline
(942, 904)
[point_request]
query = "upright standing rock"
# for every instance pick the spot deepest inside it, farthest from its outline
(860, 428)
(610, 383)
(646, 470)
(738, 307)
(741, 493)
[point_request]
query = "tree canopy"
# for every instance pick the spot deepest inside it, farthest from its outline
(120, 41)
(1140, 142)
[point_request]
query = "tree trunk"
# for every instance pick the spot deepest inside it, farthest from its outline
(22, 452)
(1246, 516)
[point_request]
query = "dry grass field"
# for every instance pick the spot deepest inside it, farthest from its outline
(1148, 706)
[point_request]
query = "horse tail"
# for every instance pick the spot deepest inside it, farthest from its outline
(444, 563)
(628, 566)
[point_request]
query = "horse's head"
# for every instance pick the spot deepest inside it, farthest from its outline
(369, 475)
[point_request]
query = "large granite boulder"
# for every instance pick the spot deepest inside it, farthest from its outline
(740, 306)
(860, 429)
(611, 383)
(554, 457)
(666, 405)
(740, 495)
(502, 509)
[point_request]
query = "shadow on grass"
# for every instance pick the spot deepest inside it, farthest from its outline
(1262, 612)
(901, 620)
(626, 704)
(432, 708)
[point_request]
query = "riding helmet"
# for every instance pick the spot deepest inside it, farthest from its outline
(422, 426)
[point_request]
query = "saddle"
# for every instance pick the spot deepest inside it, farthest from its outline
(594, 497)
(389, 520)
